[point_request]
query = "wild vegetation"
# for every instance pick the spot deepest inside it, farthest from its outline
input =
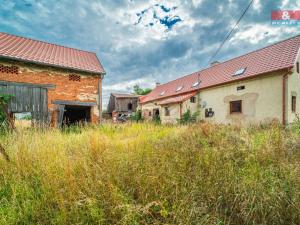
(151, 174)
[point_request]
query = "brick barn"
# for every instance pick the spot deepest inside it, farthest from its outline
(56, 84)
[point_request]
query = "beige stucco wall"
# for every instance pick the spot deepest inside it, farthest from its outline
(293, 88)
(174, 110)
(261, 100)
(174, 113)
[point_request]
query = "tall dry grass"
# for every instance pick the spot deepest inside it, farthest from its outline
(151, 174)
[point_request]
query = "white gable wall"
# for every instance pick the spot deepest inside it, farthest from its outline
(261, 100)
(293, 88)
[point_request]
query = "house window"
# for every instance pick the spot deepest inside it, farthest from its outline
(149, 113)
(193, 99)
(167, 111)
(240, 88)
(293, 103)
(236, 107)
(129, 106)
(74, 77)
(298, 67)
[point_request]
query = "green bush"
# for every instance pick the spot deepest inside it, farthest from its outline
(187, 117)
(137, 116)
(4, 99)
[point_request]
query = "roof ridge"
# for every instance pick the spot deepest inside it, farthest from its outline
(193, 73)
(32, 39)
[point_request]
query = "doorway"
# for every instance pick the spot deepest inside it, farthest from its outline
(74, 115)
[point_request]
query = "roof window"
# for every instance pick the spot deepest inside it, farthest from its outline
(179, 88)
(240, 72)
(196, 84)
(162, 93)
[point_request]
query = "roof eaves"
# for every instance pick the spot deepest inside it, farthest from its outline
(219, 84)
(51, 65)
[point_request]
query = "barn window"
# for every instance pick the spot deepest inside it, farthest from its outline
(167, 111)
(236, 107)
(9, 69)
(193, 99)
(298, 67)
(74, 77)
(293, 103)
(129, 106)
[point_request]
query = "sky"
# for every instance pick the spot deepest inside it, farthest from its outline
(147, 41)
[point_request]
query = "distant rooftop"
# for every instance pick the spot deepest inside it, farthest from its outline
(125, 95)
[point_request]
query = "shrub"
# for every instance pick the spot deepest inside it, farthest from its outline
(187, 117)
(4, 99)
(137, 116)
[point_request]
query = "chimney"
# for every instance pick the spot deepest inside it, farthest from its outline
(214, 63)
(157, 84)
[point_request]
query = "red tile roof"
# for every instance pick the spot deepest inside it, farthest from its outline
(177, 99)
(34, 51)
(281, 55)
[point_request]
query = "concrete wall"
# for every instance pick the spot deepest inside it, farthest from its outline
(85, 90)
(293, 89)
(261, 100)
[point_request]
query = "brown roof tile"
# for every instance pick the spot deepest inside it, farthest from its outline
(26, 49)
(281, 55)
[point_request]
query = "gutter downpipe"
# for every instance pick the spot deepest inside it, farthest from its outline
(284, 95)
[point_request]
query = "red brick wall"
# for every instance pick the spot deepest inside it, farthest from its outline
(86, 90)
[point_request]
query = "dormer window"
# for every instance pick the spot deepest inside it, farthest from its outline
(162, 93)
(179, 88)
(196, 84)
(240, 72)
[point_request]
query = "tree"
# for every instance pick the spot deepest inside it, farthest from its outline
(140, 91)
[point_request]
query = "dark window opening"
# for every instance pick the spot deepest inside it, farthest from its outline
(293, 103)
(75, 115)
(156, 112)
(240, 88)
(298, 70)
(129, 106)
(193, 99)
(149, 113)
(236, 107)
(167, 111)
(74, 77)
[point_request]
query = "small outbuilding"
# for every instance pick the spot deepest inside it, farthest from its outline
(121, 104)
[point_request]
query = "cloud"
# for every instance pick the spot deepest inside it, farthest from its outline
(141, 42)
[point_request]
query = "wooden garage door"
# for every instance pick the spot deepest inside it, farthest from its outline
(27, 98)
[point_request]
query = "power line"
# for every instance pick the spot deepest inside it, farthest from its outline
(228, 35)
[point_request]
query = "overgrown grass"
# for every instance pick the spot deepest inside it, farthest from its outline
(151, 174)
